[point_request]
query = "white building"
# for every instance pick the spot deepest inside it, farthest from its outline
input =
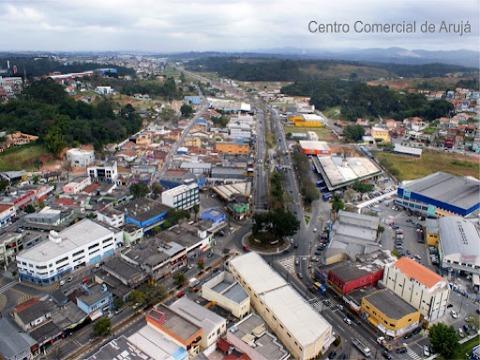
(106, 172)
(304, 332)
(182, 197)
(80, 158)
(213, 326)
(459, 245)
(227, 293)
(84, 243)
(104, 90)
(422, 288)
(111, 216)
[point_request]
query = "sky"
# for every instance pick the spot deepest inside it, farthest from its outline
(229, 25)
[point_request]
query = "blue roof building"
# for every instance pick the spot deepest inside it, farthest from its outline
(193, 100)
(213, 215)
(96, 300)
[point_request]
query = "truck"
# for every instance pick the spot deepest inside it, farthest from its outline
(326, 196)
(361, 347)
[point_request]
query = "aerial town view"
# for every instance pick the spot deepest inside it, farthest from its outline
(239, 181)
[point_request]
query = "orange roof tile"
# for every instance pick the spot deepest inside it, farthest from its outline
(418, 272)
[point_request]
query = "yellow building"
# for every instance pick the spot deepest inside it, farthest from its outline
(193, 142)
(232, 148)
(431, 232)
(389, 313)
(380, 134)
(307, 120)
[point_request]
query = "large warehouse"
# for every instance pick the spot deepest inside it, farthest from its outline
(459, 245)
(301, 329)
(441, 194)
(339, 171)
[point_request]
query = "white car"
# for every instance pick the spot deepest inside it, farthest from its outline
(426, 351)
(347, 321)
(314, 229)
(454, 314)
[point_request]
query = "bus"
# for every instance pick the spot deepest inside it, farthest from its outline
(362, 347)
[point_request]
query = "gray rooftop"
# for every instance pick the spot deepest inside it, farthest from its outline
(94, 295)
(200, 316)
(459, 237)
(459, 191)
(226, 285)
(177, 324)
(143, 209)
(253, 327)
(13, 343)
(119, 349)
(34, 311)
(390, 304)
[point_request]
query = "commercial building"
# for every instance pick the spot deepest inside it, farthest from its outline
(182, 197)
(389, 313)
(80, 157)
(84, 243)
(440, 194)
(339, 171)
(352, 234)
(111, 216)
(366, 271)
(419, 286)
(11, 243)
(213, 326)
(145, 213)
(227, 293)
(407, 150)
(307, 120)
(232, 148)
(459, 245)
(314, 147)
(380, 134)
(251, 337)
(432, 232)
(49, 218)
(176, 328)
(304, 332)
(128, 274)
(76, 186)
(224, 175)
(106, 172)
(7, 213)
(95, 301)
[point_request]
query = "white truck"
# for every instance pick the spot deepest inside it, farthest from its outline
(362, 347)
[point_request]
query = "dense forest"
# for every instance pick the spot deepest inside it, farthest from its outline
(44, 109)
(168, 89)
(357, 99)
(38, 66)
(274, 69)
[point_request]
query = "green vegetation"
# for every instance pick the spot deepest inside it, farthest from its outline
(337, 204)
(180, 278)
(45, 110)
(353, 132)
(220, 121)
(186, 110)
(362, 187)
(146, 294)
(139, 190)
(357, 99)
(276, 191)
(444, 340)
(408, 168)
(28, 157)
(102, 327)
(464, 350)
(472, 83)
(278, 223)
(323, 133)
(38, 66)
(302, 167)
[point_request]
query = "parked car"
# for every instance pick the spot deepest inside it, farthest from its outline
(386, 355)
(426, 351)
(454, 314)
(401, 350)
(347, 320)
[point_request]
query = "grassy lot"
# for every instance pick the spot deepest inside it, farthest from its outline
(466, 348)
(27, 157)
(324, 134)
(407, 167)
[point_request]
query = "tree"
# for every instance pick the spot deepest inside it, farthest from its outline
(3, 184)
(186, 110)
(284, 223)
(200, 263)
(156, 189)
(117, 303)
(168, 114)
(196, 210)
(102, 327)
(179, 278)
(154, 293)
(353, 132)
(54, 141)
(337, 204)
(136, 297)
(29, 209)
(139, 190)
(362, 187)
(444, 340)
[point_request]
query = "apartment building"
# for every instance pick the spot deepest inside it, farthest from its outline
(85, 243)
(182, 197)
(422, 288)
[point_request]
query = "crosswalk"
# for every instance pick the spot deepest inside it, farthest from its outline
(8, 286)
(288, 263)
(316, 303)
(413, 354)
